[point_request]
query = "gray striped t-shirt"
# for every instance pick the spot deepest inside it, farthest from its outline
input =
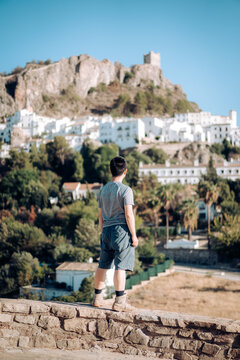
(113, 196)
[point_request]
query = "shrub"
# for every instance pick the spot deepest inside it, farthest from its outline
(128, 76)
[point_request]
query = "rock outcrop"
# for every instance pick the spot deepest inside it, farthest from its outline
(81, 73)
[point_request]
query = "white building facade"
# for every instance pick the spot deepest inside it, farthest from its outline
(188, 174)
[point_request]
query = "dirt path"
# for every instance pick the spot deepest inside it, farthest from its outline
(190, 294)
(43, 354)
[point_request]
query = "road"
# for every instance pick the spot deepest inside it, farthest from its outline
(215, 272)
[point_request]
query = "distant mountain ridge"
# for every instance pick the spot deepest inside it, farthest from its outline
(80, 85)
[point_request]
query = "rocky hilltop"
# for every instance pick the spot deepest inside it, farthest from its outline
(80, 85)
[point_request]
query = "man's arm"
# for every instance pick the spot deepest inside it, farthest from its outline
(131, 223)
(100, 218)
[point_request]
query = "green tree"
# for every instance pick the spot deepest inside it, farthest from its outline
(122, 105)
(77, 167)
(140, 102)
(67, 252)
(15, 183)
(211, 174)
(58, 153)
(21, 270)
(183, 106)
(86, 235)
(18, 160)
(209, 192)
(154, 205)
(157, 155)
(225, 237)
(190, 216)
(167, 194)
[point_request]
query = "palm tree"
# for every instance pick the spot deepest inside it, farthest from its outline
(167, 195)
(153, 208)
(190, 218)
(209, 192)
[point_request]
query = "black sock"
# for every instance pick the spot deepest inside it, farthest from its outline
(98, 291)
(120, 293)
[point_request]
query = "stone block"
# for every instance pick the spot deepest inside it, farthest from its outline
(3, 343)
(90, 313)
(110, 345)
(92, 326)
(182, 356)
(138, 337)
(223, 339)
(102, 329)
(75, 325)
(9, 333)
(162, 342)
(15, 307)
(210, 349)
(5, 318)
(155, 329)
(233, 327)
(73, 344)
(121, 316)
(168, 321)
(64, 311)
(204, 335)
(37, 307)
(147, 316)
(23, 341)
(48, 322)
(61, 344)
(182, 344)
(181, 323)
(185, 333)
(235, 353)
(110, 330)
(25, 319)
(45, 341)
(127, 330)
(128, 350)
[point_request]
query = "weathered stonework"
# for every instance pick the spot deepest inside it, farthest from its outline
(28, 324)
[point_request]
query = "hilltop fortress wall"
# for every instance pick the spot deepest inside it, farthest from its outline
(33, 324)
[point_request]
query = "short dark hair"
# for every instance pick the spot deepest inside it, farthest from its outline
(118, 165)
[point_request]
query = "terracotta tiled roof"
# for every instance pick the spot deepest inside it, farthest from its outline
(94, 186)
(71, 185)
(73, 266)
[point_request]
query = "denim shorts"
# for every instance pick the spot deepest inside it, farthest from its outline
(116, 248)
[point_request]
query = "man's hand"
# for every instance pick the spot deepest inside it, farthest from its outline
(134, 241)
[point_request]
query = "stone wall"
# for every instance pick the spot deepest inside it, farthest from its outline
(192, 256)
(33, 324)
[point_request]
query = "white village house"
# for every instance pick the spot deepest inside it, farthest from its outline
(76, 190)
(188, 174)
(71, 274)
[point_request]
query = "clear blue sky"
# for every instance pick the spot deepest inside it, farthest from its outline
(199, 40)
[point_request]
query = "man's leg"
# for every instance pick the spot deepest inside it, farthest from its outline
(99, 284)
(119, 280)
(100, 278)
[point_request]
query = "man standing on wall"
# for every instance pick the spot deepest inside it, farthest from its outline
(118, 235)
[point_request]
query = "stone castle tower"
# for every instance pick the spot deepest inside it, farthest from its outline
(152, 58)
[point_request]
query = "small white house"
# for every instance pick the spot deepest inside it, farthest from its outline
(72, 189)
(94, 188)
(73, 273)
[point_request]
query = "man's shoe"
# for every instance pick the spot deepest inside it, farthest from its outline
(120, 304)
(98, 300)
